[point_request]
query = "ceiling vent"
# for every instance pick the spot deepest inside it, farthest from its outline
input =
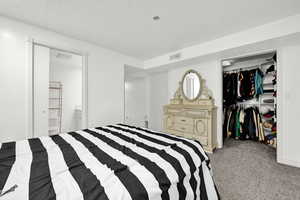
(175, 56)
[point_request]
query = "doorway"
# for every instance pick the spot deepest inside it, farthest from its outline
(250, 103)
(59, 93)
(135, 97)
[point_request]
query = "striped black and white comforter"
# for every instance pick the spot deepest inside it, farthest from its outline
(117, 162)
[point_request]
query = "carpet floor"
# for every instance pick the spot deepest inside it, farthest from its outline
(247, 170)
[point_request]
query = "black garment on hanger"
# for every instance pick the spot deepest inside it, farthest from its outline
(247, 87)
(229, 88)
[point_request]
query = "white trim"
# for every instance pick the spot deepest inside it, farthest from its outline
(29, 89)
(280, 117)
(293, 163)
(124, 95)
(85, 123)
(60, 48)
(220, 145)
(253, 53)
(29, 86)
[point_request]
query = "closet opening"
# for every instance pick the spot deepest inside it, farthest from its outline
(250, 98)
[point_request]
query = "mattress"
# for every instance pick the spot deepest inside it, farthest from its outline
(116, 162)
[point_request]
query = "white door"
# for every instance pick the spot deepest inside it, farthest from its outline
(135, 102)
(41, 65)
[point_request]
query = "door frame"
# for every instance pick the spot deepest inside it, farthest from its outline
(30, 83)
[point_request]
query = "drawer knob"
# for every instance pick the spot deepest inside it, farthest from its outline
(183, 120)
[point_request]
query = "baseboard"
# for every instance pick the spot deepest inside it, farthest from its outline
(293, 163)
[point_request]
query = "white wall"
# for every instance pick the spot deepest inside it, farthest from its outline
(70, 77)
(135, 101)
(289, 105)
(105, 77)
(13, 74)
(158, 97)
(211, 72)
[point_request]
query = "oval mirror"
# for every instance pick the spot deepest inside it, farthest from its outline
(191, 85)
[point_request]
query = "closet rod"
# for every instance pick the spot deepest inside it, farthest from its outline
(240, 68)
(244, 68)
(241, 103)
(254, 104)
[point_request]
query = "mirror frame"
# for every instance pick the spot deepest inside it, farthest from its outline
(200, 88)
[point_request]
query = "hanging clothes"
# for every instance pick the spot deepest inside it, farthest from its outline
(243, 123)
(256, 86)
(242, 86)
(237, 124)
(229, 88)
(259, 83)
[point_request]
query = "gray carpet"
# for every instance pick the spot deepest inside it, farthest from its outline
(246, 170)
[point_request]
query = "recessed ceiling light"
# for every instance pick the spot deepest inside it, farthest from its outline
(156, 18)
(226, 63)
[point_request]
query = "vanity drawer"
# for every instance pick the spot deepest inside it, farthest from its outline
(199, 113)
(184, 120)
(185, 128)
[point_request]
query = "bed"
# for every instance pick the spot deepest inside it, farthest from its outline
(116, 162)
